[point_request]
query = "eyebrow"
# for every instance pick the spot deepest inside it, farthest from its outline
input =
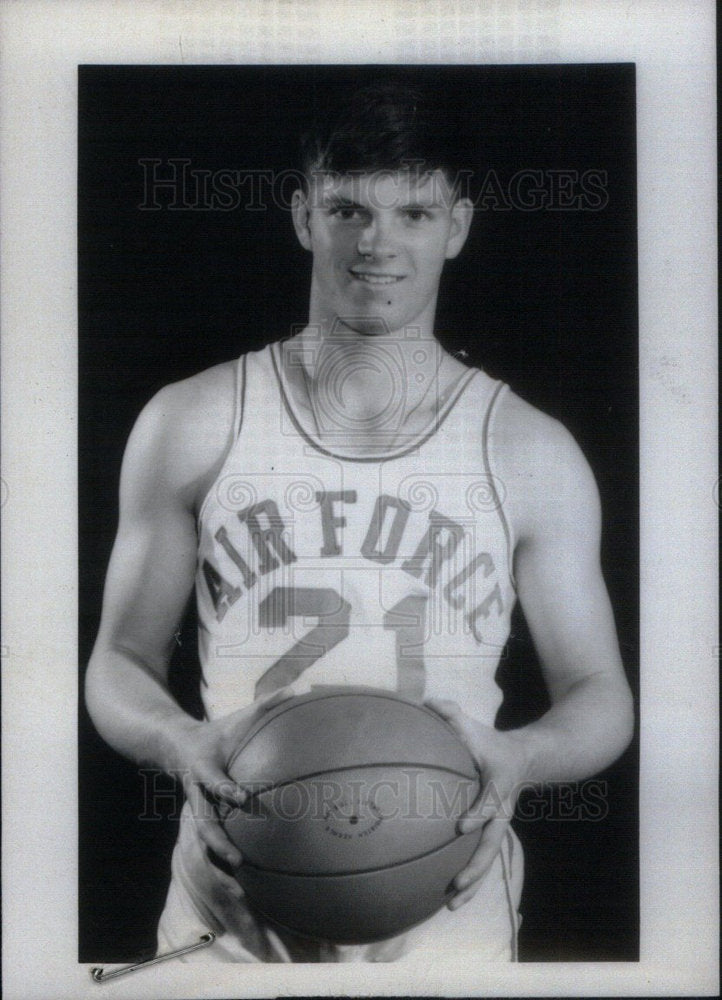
(342, 201)
(425, 205)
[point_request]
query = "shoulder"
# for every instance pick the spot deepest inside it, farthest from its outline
(202, 400)
(183, 434)
(547, 480)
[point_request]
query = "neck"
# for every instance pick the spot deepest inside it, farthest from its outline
(364, 391)
(371, 374)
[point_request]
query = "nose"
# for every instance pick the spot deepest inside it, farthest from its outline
(376, 239)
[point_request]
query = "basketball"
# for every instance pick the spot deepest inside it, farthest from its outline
(349, 831)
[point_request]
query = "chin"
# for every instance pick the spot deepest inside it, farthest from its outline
(383, 319)
(373, 328)
(368, 326)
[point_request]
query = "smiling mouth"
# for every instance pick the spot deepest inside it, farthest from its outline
(370, 278)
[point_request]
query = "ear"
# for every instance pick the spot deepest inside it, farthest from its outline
(462, 214)
(300, 213)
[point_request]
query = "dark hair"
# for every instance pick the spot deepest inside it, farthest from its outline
(386, 126)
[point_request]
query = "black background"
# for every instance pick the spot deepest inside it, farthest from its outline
(544, 299)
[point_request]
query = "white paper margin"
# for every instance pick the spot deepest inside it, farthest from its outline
(672, 44)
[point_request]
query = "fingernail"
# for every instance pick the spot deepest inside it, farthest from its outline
(233, 858)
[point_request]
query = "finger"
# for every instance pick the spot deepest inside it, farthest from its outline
(231, 886)
(463, 897)
(483, 857)
(487, 806)
(477, 818)
(216, 785)
(223, 874)
(210, 830)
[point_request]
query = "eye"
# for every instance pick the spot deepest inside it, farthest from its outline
(416, 214)
(348, 213)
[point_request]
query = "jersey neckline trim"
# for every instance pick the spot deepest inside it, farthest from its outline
(419, 439)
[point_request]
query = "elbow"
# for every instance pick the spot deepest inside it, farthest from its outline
(624, 716)
(93, 697)
(97, 698)
(628, 718)
(612, 716)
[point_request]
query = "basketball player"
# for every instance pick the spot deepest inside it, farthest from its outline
(355, 506)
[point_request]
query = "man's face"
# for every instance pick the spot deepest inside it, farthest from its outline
(379, 242)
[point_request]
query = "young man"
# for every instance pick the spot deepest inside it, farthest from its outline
(358, 482)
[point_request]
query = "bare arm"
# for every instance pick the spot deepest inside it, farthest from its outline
(147, 586)
(174, 453)
(554, 506)
(567, 608)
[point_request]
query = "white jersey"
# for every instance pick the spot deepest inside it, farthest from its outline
(318, 567)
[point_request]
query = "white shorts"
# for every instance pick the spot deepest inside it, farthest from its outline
(484, 929)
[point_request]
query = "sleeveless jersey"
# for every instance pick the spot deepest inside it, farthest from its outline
(316, 567)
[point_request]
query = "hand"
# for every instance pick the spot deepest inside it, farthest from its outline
(202, 753)
(502, 761)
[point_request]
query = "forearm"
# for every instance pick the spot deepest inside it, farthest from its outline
(584, 731)
(134, 711)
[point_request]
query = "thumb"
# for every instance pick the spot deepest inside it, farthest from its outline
(449, 710)
(214, 784)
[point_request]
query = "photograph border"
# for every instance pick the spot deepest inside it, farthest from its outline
(542, 297)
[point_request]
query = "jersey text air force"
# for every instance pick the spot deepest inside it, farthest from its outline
(317, 567)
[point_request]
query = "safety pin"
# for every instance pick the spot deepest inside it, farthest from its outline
(100, 976)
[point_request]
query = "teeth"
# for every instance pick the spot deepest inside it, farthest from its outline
(376, 279)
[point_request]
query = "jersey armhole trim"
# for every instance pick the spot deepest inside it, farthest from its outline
(239, 398)
(495, 481)
(507, 869)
